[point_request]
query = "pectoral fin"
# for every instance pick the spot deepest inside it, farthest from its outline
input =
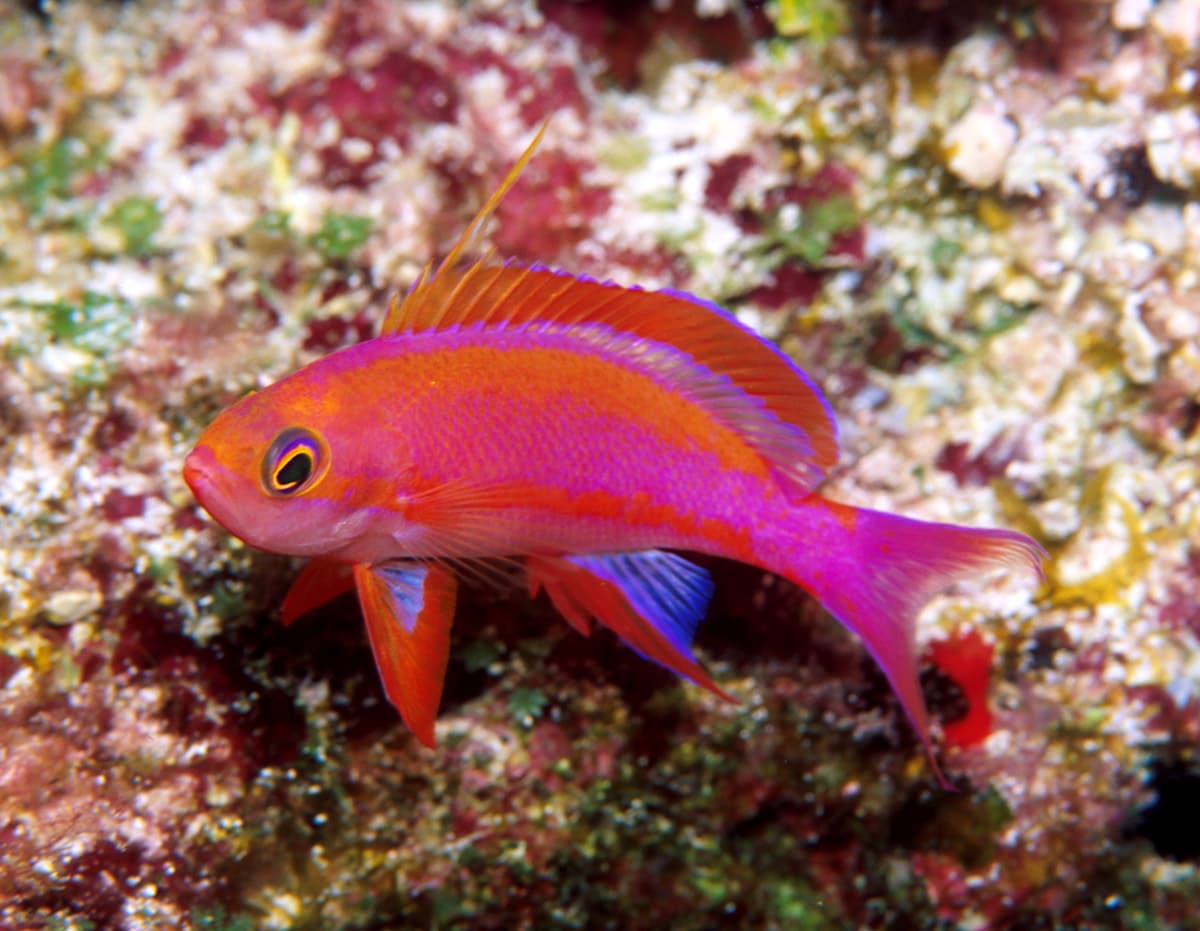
(408, 608)
(319, 582)
(652, 600)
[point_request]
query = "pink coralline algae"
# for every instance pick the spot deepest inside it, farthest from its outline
(388, 100)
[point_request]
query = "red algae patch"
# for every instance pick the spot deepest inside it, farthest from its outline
(966, 658)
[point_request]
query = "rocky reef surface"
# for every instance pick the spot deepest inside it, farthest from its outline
(975, 225)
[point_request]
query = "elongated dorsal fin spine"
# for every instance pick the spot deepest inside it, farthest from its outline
(428, 286)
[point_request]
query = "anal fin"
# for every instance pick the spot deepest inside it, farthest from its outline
(651, 599)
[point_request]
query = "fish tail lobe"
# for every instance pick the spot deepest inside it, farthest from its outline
(875, 571)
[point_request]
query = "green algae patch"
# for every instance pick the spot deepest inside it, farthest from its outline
(49, 173)
(479, 655)
(818, 20)
(626, 153)
(97, 323)
(526, 705)
(807, 232)
(796, 905)
(91, 330)
(137, 220)
(340, 235)
(275, 224)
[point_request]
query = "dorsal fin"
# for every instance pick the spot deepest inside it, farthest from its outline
(485, 293)
(511, 295)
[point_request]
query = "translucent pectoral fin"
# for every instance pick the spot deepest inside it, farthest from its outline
(318, 583)
(652, 600)
(408, 609)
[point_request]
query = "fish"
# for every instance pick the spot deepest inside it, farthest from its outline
(589, 435)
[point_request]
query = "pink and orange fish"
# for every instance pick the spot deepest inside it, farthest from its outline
(586, 431)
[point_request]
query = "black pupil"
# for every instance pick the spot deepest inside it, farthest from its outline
(294, 473)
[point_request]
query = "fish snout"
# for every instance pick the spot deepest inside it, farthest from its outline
(199, 471)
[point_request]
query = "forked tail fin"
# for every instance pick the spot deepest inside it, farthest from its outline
(874, 572)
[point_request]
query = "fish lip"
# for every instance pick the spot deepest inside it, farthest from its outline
(205, 476)
(200, 472)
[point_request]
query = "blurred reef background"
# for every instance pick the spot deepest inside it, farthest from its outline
(974, 224)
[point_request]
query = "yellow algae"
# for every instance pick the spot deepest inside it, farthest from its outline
(993, 214)
(1097, 501)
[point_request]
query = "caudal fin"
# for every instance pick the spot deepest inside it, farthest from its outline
(875, 571)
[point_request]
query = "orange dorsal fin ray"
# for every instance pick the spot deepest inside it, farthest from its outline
(742, 378)
(408, 608)
(434, 290)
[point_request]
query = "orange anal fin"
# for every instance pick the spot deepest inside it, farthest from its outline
(408, 608)
(546, 573)
(650, 599)
(318, 583)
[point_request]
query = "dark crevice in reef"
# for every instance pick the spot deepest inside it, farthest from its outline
(1171, 822)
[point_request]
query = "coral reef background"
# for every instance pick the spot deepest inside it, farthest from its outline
(975, 225)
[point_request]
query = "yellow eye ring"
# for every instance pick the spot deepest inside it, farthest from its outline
(295, 462)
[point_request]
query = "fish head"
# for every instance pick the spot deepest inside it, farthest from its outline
(283, 470)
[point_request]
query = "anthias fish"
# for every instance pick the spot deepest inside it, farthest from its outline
(585, 431)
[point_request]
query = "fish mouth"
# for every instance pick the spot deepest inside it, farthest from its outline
(199, 471)
(203, 473)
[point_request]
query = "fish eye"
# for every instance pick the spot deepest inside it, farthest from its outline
(295, 461)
